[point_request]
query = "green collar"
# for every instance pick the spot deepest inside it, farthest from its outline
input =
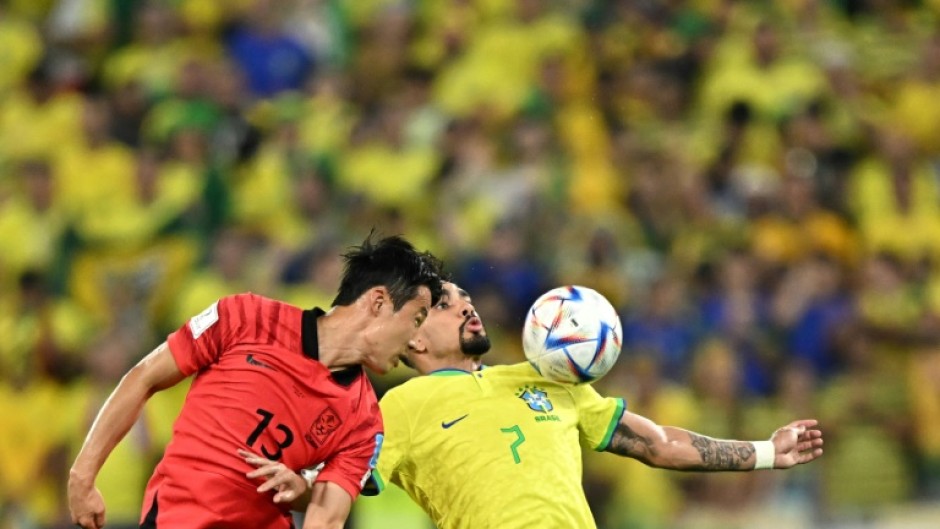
(448, 372)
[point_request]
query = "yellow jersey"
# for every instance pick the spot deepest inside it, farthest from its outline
(499, 447)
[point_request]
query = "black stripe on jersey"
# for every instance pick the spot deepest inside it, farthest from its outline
(311, 347)
(241, 316)
(308, 332)
(150, 521)
(259, 310)
(272, 324)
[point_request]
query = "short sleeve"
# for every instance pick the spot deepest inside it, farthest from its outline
(597, 416)
(201, 340)
(397, 438)
(353, 467)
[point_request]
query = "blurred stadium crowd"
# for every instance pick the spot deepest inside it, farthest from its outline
(754, 184)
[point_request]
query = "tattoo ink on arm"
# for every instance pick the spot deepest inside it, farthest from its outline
(723, 455)
(626, 442)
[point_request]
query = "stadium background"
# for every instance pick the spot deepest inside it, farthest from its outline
(754, 184)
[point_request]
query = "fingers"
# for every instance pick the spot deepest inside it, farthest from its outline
(278, 477)
(799, 442)
(288, 486)
(270, 484)
(269, 469)
(809, 444)
(254, 459)
(246, 454)
(804, 429)
(809, 435)
(90, 521)
(806, 457)
(803, 424)
(285, 496)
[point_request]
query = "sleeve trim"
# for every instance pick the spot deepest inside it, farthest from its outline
(614, 421)
(374, 485)
(177, 344)
(352, 489)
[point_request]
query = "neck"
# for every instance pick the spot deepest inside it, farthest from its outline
(340, 339)
(461, 362)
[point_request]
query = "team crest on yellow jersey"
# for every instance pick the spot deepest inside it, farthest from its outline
(536, 398)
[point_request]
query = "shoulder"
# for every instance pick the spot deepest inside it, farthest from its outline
(521, 369)
(521, 373)
(367, 406)
(413, 387)
(524, 375)
(426, 388)
(250, 315)
(249, 306)
(252, 299)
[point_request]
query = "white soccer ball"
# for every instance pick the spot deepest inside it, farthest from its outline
(572, 334)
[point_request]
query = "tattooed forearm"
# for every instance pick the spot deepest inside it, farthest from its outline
(626, 442)
(723, 455)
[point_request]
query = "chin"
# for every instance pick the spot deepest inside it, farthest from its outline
(379, 369)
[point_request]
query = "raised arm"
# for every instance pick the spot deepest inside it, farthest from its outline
(155, 372)
(678, 449)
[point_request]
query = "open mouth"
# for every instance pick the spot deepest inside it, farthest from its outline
(474, 325)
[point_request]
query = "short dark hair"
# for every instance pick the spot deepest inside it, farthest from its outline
(391, 262)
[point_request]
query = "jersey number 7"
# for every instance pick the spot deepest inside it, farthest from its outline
(520, 438)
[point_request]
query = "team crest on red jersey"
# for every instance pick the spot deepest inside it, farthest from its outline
(326, 423)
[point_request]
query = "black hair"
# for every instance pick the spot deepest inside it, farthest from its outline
(391, 262)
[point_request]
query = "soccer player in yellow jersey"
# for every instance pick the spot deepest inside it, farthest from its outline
(501, 446)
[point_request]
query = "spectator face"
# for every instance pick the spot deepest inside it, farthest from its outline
(38, 184)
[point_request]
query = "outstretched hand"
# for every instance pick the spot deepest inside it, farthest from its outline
(288, 484)
(797, 443)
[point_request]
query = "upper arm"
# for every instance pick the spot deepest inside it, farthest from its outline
(157, 370)
(329, 506)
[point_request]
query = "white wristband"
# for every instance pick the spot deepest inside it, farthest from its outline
(764, 454)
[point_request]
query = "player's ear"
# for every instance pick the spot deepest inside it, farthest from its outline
(418, 345)
(378, 297)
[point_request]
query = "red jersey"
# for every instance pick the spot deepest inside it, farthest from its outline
(259, 386)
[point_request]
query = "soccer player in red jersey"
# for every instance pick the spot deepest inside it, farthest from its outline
(272, 378)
